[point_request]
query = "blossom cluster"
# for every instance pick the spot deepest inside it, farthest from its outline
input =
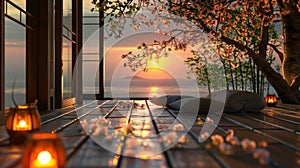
(226, 145)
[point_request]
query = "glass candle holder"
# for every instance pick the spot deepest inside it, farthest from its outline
(22, 120)
(271, 100)
(44, 150)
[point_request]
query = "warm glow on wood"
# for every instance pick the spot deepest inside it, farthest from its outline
(44, 159)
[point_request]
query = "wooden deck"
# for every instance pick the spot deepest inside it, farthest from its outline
(279, 127)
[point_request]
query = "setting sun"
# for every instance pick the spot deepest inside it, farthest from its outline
(154, 73)
(154, 89)
(153, 63)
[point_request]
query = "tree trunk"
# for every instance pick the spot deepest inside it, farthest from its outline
(287, 93)
(291, 33)
(287, 89)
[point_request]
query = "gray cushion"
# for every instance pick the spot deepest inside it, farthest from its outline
(237, 101)
(202, 105)
(166, 100)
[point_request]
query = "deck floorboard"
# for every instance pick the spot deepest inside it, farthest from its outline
(279, 127)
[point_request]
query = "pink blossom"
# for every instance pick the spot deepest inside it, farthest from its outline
(233, 140)
(248, 145)
(178, 127)
(262, 155)
(217, 139)
(226, 148)
(204, 136)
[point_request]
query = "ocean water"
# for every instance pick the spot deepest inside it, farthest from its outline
(20, 99)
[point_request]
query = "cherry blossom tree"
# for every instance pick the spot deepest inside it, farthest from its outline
(236, 23)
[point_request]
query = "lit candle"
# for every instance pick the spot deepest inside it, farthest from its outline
(45, 160)
(271, 100)
(22, 126)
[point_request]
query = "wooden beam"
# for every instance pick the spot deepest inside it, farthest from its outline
(58, 52)
(2, 62)
(76, 50)
(42, 56)
(101, 54)
(79, 46)
(31, 51)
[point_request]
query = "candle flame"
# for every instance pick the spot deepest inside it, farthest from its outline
(22, 124)
(271, 101)
(44, 157)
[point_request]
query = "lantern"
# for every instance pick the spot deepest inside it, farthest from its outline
(271, 100)
(44, 150)
(22, 120)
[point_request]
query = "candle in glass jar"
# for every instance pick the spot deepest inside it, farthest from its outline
(44, 160)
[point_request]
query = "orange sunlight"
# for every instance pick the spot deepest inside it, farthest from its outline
(154, 72)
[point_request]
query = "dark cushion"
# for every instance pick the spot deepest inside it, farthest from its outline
(237, 101)
(202, 105)
(166, 100)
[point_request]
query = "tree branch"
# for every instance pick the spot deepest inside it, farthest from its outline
(279, 53)
(295, 84)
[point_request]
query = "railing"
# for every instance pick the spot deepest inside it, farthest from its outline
(21, 12)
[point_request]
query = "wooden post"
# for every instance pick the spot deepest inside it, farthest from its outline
(101, 55)
(58, 52)
(38, 46)
(2, 62)
(76, 50)
(31, 51)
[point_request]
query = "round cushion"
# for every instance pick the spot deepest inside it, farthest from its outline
(202, 105)
(166, 100)
(237, 101)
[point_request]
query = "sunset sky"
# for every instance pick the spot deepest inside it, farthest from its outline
(167, 68)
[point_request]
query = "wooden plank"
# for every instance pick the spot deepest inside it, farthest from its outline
(259, 117)
(144, 127)
(281, 114)
(192, 159)
(156, 161)
(91, 155)
(194, 138)
(293, 107)
(241, 158)
(87, 153)
(249, 122)
(10, 155)
(284, 156)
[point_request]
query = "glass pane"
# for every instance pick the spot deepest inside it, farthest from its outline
(16, 13)
(90, 49)
(90, 77)
(15, 62)
(20, 3)
(90, 39)
(67, 69)
(67, 13)
(87, 6)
